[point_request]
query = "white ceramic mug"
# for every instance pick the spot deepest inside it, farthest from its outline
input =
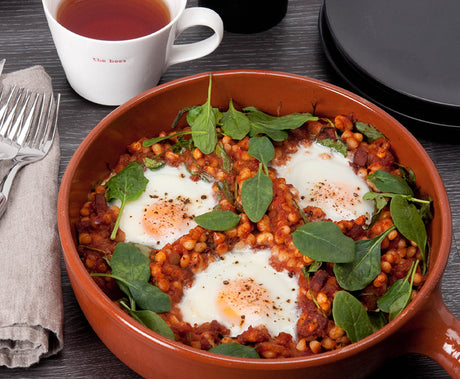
(112, 72)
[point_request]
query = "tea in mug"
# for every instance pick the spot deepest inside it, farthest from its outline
(113, 20)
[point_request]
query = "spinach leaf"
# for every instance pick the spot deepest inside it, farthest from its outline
(407, 173)
(235, 124)
(337, 145)
(386, 182)
(152, 321)
(234, 349)
(351, 316)
(275, 135)
(425, 211)
(129, 263)
(203, 120)
(155, 140)
(144, 294)
(398, 289)
(324, 241)
(180, 114)
(380, 200)
(377, 320)
(272, 126)
(126, 186)
(256, 195)
(357, 274)
(398, 295)
(226, 160)
(148, 296)
(368, 131)
(218, 220)
(153, 164)
(262, 149)
(287, 122)
(408, 221)
(226, 191)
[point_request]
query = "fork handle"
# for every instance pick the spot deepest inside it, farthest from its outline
(6, 185)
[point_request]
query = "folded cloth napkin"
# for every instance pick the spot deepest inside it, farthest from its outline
(31, 310)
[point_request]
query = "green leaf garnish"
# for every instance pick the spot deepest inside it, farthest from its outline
(126, 186)
(153, 164)
(272, 126)
(235, 349)
(398, 295)
(129, 263)
(371, 133)
(337, 145)
(155, 140)
(152, 321)
(351, 316)
(131, 268)
(256, 195)
(218, 220)
(262, 149)
(226, 160)
(203, 120)
(386, 182)
(235, 124)
(144, 294)
(408, 221)
(324, 241)
(358, 273)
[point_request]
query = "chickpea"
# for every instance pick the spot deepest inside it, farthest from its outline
(301, 345)
(418, 279)
(200, 247)
(184, 260)
(392, 235)
(336, 332)
(84, 239)
(328, 343)
(343, 123)
(315, 346)
(157, 148)
(386, 267)
(188, 243)
(160, 257)
(380, 280)
(197, 154)
(263, 238)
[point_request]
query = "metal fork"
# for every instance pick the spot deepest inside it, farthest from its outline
(16, 114)
(37, 144)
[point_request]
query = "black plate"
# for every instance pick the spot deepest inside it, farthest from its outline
(377, 83)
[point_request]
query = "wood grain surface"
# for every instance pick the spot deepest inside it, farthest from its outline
(291, 46)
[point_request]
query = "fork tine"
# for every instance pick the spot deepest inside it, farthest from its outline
(11, 114)
(4, 107)
(15, 130)
(36, 134)
(53, 123)
(50, 123)
(26, 124)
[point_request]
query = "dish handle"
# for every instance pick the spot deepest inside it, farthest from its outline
(435, 332)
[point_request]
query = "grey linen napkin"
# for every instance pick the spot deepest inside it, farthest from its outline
(31, 310)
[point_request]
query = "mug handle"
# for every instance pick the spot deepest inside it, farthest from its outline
(435, 333)
(192, 17)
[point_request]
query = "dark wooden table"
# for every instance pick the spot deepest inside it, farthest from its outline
(291, 46)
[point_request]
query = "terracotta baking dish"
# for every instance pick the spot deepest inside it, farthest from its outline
(426, 326)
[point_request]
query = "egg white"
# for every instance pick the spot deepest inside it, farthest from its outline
(325, 179)
(240, 290)
(173, 199)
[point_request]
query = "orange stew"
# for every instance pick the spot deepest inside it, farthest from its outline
(174, 266)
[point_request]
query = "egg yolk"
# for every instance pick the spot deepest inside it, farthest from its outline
(243, 298)
(163, 216)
